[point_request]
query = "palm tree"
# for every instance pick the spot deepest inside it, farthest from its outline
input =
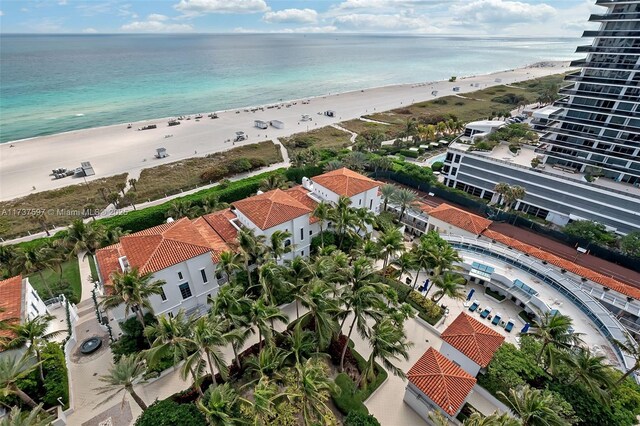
(133, 182)
(32, 260)
(83, 238)
(42, 220)
(261, 316)
(218, 404)
(510, 193)
(270, 277)
(555, 333)
(229, 263)
(173, 336)
(208, 335)
(333, 165)
(405, 199)
(212, 204)
(12, 371)
(122, 377)
(323, 309)
(388, 343)
(33, 334)
(449, 284)
(271, 182)
(268, 364)
(36, 417)
(252, 249)
(406, 262)
(301, 342)
(279, 246)
(265, 396)
(633, 349)
(591, 371)
(181, 208)
(114, 198)
(298, 275)
(112, 235)
(441, 257)
(388, 192)
(363, 300)
(314, 388)
(323, 213)
(533, 406)
(343, 217)
(390, 242)
(438, 419)
(132, 290)
(362, 218)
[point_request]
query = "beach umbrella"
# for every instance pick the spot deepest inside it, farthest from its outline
(473, 290)
(525, 328)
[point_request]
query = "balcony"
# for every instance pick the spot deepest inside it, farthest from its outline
(570, 91)
(616, 50)
(614, 17)
(610, 34)
(583, 63)
(600, 80)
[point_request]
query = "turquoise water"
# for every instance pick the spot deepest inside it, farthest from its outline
(56, 83)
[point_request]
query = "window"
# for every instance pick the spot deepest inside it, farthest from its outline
(204, 276)
(310, 232)
(302, 253)
(287, 243)
(34, 308)
(370, 204)
(185, 290)
(179, 275)
(360, 202)
(162, 295)
(301, 234)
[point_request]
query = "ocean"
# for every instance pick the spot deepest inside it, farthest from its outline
(58, 83)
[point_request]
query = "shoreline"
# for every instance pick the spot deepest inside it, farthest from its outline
(99, 145)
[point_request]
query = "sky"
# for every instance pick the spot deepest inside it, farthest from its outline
(537, 18)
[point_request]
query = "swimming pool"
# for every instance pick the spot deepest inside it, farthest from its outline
(439, 157)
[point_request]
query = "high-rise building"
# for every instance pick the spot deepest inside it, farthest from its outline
(587, 166)
(597, 128)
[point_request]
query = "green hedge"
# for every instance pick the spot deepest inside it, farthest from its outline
(499, 297)
(427, 309)
(409, 153)
(56, 380)
(356, 418)
(169, 413)
(348, 400)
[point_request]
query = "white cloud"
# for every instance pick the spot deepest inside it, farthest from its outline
(1, 13)
(63, 2)
(292, 16)
(89, 31)
(157, 17)
(156, 23)
(197, 7)
(382, 22)
(498, 13)
(24, 10)
(308, 30)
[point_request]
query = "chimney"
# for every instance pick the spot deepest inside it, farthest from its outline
(307, 184)
(169, 219)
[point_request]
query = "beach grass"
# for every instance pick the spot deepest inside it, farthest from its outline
(323, 138)
(70, 283)
(466, 107)
(61, 206)
(171, 178)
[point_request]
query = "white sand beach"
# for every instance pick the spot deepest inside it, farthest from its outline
(117, 149)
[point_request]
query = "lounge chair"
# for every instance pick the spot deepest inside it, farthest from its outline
(496, 319)
(509, 326)
(474, 306)
(485, 313)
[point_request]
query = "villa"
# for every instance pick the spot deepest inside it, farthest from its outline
(185, 253)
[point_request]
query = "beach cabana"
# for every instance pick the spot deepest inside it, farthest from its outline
(161, 153)
(277, 124)
(261, 124)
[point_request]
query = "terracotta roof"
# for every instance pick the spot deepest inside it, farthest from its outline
(474, 339)
(11, 301)
(460, 218)
(271, 208)
(560, 262)
(220, 222)
(424, 207)
(157, 248)
(442, 381)
(345, 182)
(301, 194)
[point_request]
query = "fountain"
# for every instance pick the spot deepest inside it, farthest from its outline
(90, 345)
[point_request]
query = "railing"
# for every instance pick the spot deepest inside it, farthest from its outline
(606, 322)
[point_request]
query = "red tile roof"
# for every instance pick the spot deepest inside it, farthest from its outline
(345, 182)
(271, 208)
(474, 339)
(301, 194)
(220, 222)
(11, 301)
(443, 382)
(424, 207)
(460, 218)
(157, 248)
(560, 262)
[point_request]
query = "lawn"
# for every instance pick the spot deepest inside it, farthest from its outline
(391, 131)
(156, 182)
(474, 106)
(323, 138)
(70, 284)
(61, 206)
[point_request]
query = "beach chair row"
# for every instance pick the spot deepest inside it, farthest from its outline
(495, 320)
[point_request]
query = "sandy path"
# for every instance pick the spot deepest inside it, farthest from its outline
(116, 149)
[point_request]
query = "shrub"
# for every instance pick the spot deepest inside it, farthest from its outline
(132, 340)
(214, 174)
(509, 98)
(170, 413)
(514, 147)
(428, 310)
(256, 163)
(239, 165)
(348, 400)
(409, 153)
(56, 380)
(356, 418)
(437, 166)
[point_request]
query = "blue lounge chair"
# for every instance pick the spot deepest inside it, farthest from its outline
(485, 313)
(474, 306)
(509, 326)
(496, 319)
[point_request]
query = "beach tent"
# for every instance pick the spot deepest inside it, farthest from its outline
(473, 290)
(525, 328)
